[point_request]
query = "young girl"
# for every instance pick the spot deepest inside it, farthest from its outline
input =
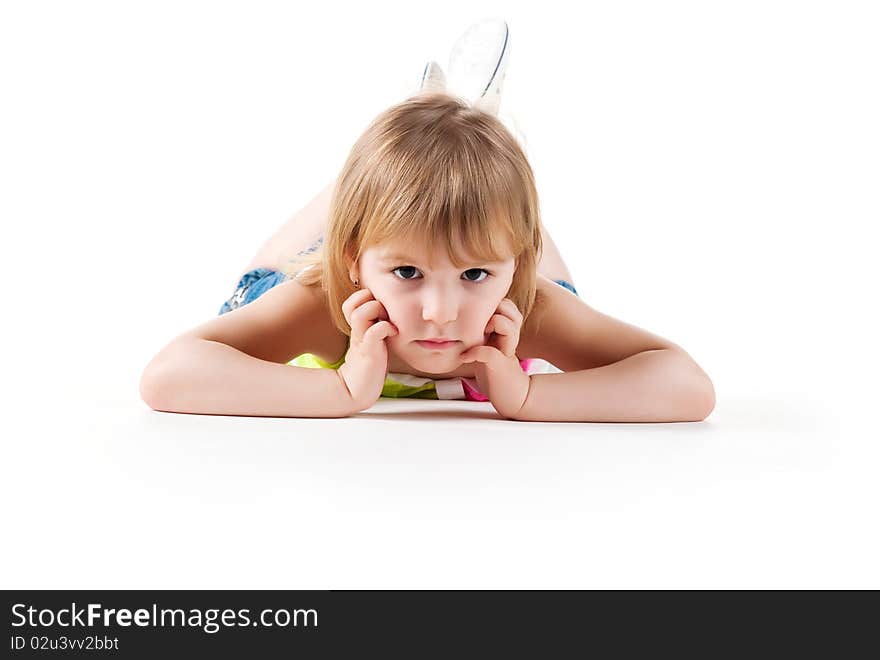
(423, 271)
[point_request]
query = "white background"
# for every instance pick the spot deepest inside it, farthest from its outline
(709, 171)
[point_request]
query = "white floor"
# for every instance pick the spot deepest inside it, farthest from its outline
(102, 492)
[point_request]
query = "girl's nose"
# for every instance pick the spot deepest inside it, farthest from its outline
(439, 308)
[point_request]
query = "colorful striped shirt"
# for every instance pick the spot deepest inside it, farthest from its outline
(398, 385)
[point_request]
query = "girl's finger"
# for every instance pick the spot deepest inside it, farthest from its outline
(355, 299)
(511, 310)
(379, 331)
(477, 354)
(508, 334)
(370, 310)
(503, 325)
(364, 316)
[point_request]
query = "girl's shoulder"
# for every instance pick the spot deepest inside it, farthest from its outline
(568, 333)
(530, 333)
(287, 320)
(330, 343)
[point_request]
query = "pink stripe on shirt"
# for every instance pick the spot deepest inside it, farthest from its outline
(472, 393)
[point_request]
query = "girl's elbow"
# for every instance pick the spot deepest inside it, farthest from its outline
(707, 400)
(702, 393)
(148, 391)
(153, 388)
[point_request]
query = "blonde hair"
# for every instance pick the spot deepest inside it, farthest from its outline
(431, 170)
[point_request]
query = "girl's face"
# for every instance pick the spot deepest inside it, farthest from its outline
(443, 302)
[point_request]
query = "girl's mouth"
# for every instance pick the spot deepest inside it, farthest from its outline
(435, 345)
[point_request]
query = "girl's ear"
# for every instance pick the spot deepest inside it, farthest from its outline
(352, 267)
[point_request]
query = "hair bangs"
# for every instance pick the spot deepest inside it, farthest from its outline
(446, 193)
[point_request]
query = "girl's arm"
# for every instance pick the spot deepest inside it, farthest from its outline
(660, 385)
(236, 363)
(614, 371)
(194, 375)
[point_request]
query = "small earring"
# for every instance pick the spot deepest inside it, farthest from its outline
(356, 285)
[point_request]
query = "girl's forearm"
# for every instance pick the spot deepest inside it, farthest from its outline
(194, 375)
(654, 386)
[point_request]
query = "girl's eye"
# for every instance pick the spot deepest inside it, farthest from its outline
(476, 271)
(405, 268)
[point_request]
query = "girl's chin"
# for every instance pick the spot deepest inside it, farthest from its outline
(447, 358)
(435, 369)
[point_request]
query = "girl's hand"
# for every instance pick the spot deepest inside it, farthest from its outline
(496, 366)
(366, 361)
